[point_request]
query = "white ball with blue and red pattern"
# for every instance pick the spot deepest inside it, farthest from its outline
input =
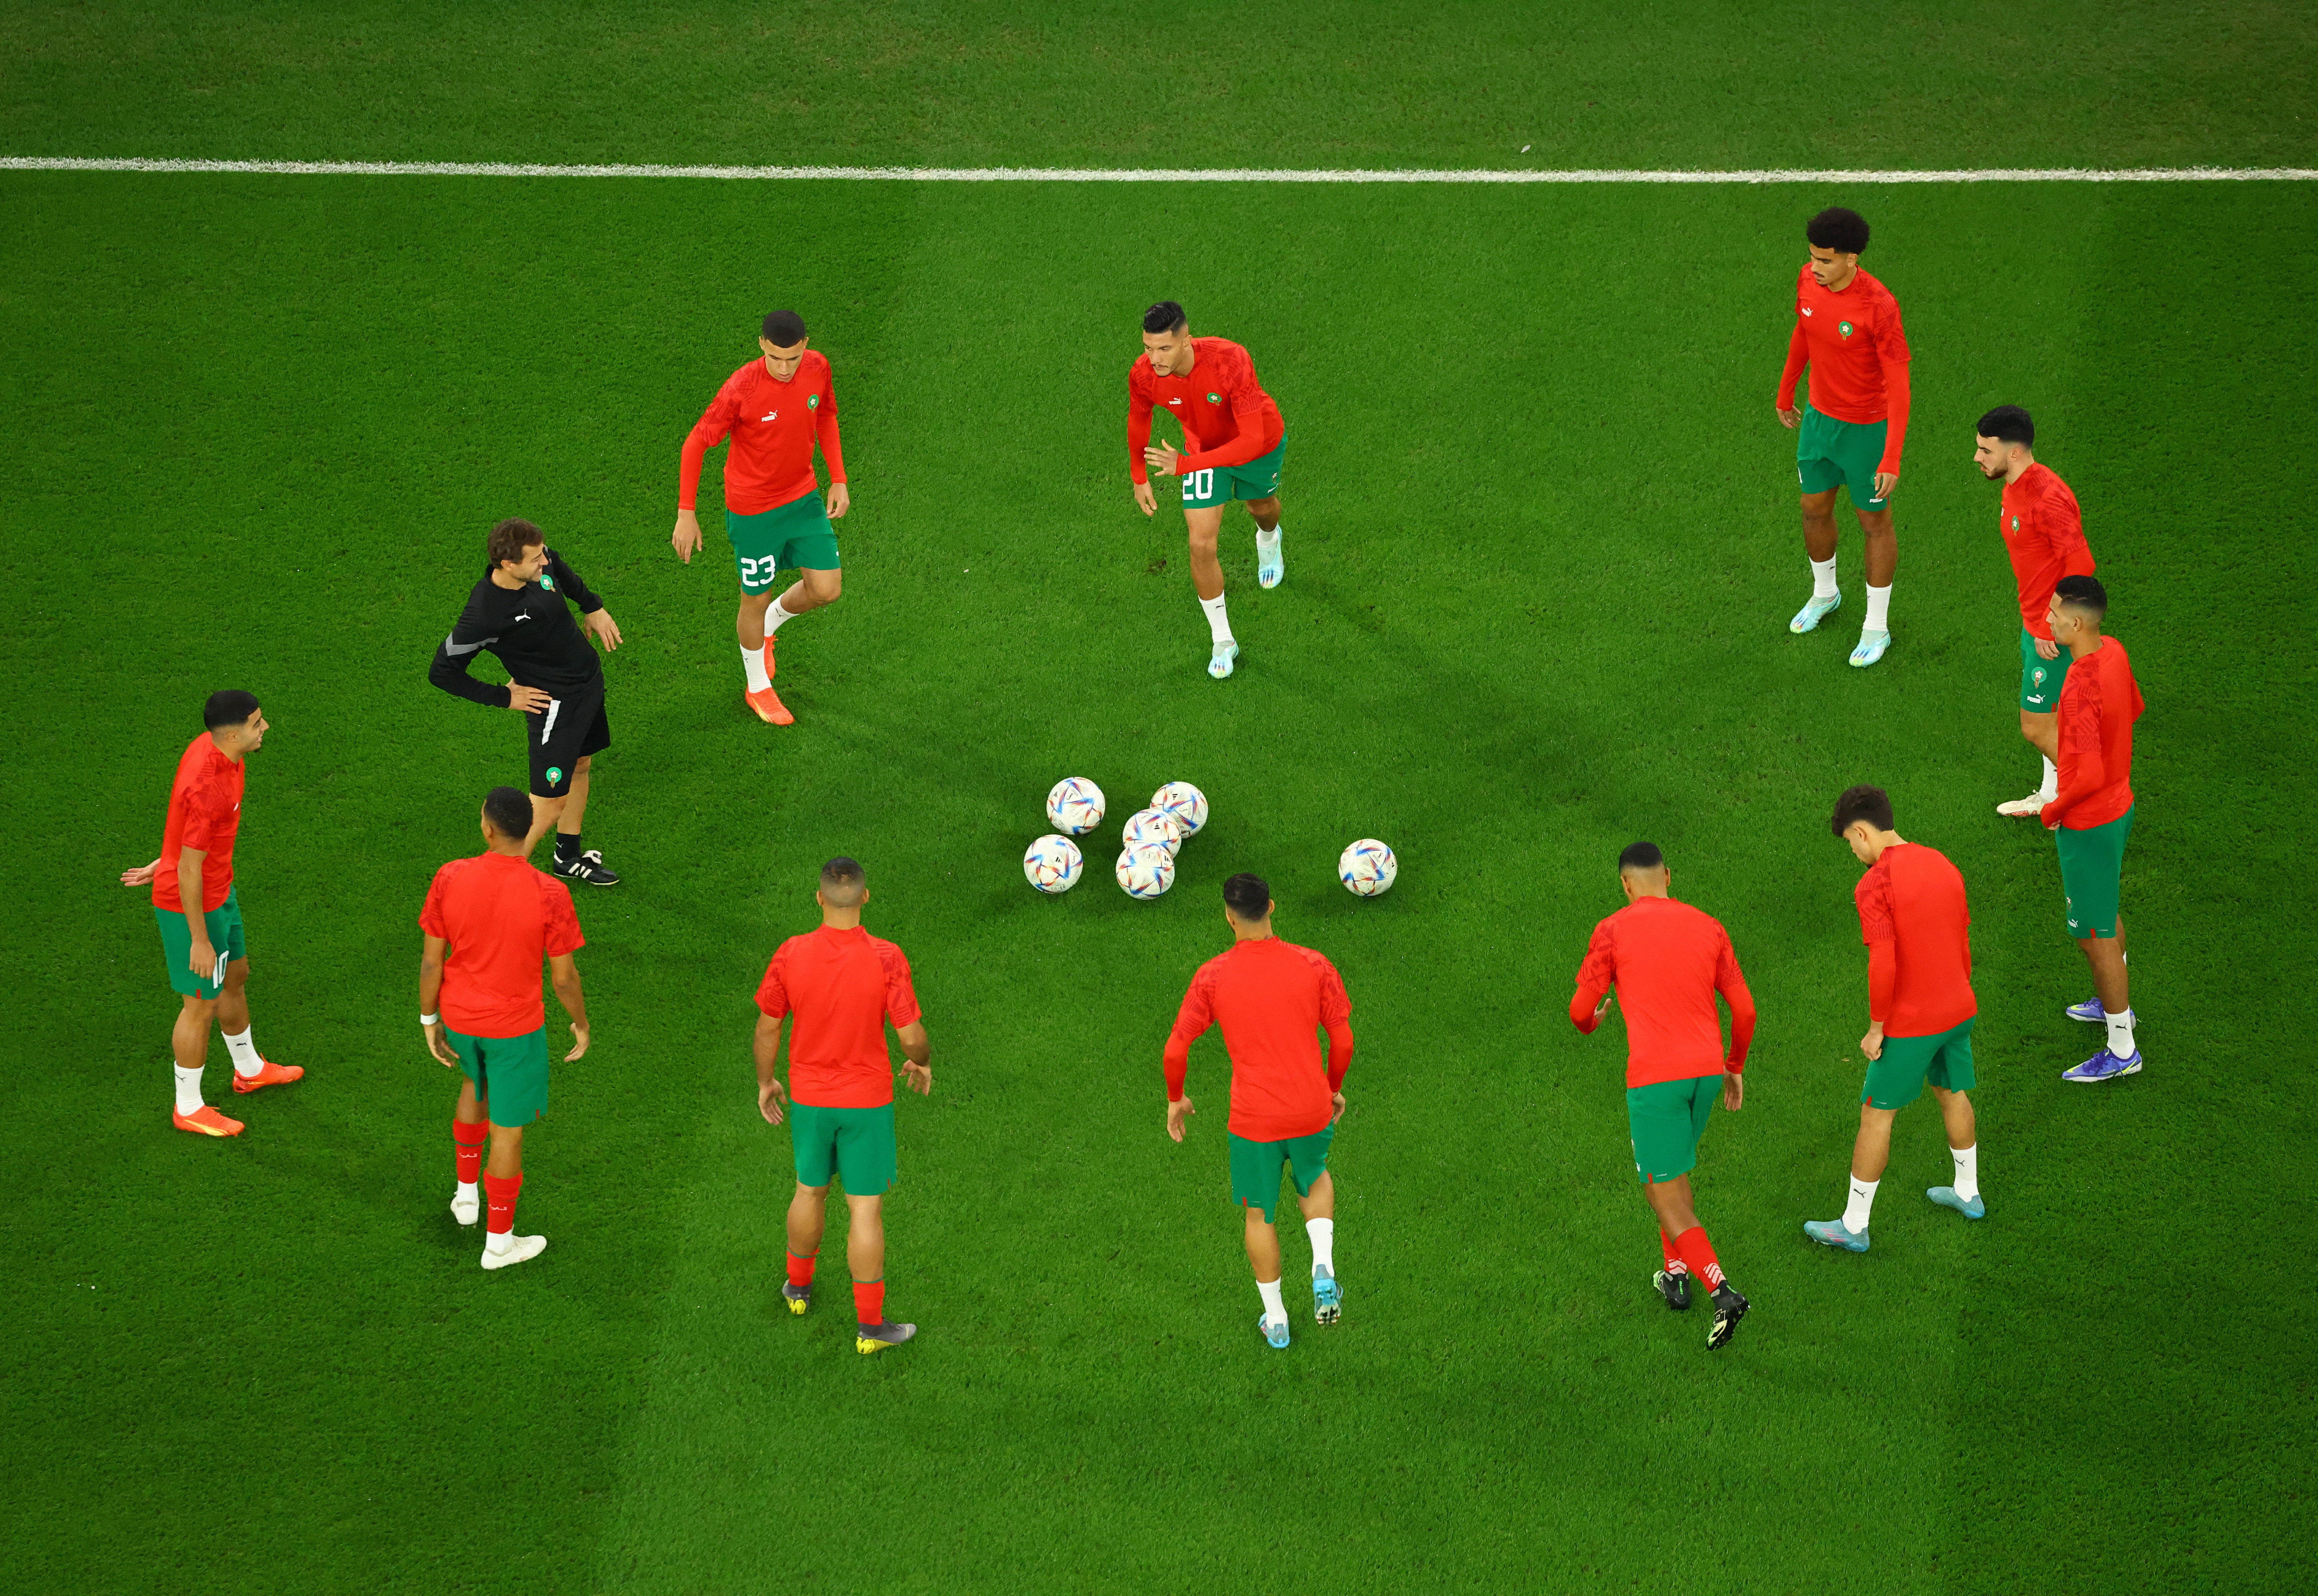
(1075, 807)
(1186, 803)
(1367, 868)
(1152, 826)
(1054, 863)
(1145, 871)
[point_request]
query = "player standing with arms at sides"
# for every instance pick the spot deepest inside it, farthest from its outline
(1667, 960)
(1238, 443)
(841, 986)
(555, 682)
(1848, 331)
(488, 922)
(1918, 928)
(2044, 534)
(2093, 814)
(198, 910)
(775, 409)
(1272, 999)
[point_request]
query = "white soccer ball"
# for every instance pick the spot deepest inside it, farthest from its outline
(1154, 826)
(1075, 806)
(1054, 863)
(1367, 868)
(1148, 871)
(1186, 803)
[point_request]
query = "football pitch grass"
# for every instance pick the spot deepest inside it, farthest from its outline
(1542, 545)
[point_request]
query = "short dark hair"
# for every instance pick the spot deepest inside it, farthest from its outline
(509, 811)
(1248, 896)
(1863, 802)
(2082, 593)
(1165, 316)
(784, 328)
(1843, 231)
(843, 882)
(509, 538)
(1641, 855)
(232, 707)
(2008, 423)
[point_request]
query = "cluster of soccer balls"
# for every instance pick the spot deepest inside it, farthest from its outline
(1154, 834)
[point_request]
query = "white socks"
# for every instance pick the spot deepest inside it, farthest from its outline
(2120, 1033)
(1823, 579)
(2050, 788)
(245, 1061)
(752, 661)
(1879, 610)
(1863, 1198)
(774, 616)
(189, 1090)
(1218, 625)
(1967, 1163)
(1322, 1232)
(1274, 1312)
(1265, 541)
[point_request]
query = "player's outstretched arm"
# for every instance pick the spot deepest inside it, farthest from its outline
(141, 875)
(565, 970)
(918, 1052)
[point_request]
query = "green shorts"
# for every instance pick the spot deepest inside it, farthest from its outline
(1256, 1167)
(1665, 1120)
(509, 1074)
(224, 926)
(2093, 873)
(793, 536)
(1897, 1078)
(2040, 679)
(856, 1144)
(1831, 453)
(1221, 484)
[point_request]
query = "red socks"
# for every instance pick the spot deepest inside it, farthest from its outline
(500, 1192)
(868, 1300)
(800, 1271)
(471, 1139)
(1698, 1252)
(1673, 1263)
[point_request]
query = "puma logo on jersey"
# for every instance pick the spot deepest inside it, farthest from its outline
(770, 415)
(1807, 310)
(1174, 401)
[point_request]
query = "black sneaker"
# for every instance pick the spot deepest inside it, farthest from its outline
(798, 1297)
(1729, 1308)
(876, 1338)
(588, 867)
(1673, 1288)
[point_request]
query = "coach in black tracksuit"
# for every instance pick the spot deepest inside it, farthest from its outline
(554, 680)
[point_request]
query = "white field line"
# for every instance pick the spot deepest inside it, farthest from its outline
(1157, 174)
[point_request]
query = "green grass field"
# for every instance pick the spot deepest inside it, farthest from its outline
(1543, 545)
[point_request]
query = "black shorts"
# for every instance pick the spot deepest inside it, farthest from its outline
(571, 727)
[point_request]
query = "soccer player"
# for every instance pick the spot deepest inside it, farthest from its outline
(488, 922)
(555, 682)
(1851, 429)
(839, 987)
(774, 409)
(1918, 928)
(1272, 999)
(1667, 960)
(2092, 814)
(1237, 442)
(198, 910)
(2044, 534)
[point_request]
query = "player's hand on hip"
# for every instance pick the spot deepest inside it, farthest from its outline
(1161, 458)
(838, 501)
(768, 1101)
(2046, 649)
(686, 539)
(1790, 419)
(1144, 500)
(1177, 1112)
(603, 628)
(528, 701)
(1885, 482)
(440, 1046)
(1871, 1044)
(142, 875)
(1734, 1090)
(579, 1041)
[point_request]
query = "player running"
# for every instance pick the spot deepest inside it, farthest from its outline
(1237, 442)
(1848, 331)
(1271, 998)
(842, 986)
(488, 922)
(555, 682)
(1918, 928)
(1667, 960)
(774, 409)
(2044, 534)
(202, 944)
(2092, 814)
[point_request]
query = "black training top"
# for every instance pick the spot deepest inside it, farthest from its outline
(529, 629)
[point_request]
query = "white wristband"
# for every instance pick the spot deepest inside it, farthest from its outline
(430, 1019)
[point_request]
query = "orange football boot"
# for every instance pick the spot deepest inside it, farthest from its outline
(768, 707)
(268, 1074)
(206, 1121)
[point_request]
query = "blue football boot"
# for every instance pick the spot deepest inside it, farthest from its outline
(1871, 647)
(1270, 565)
(2092, 1014)
(1327, 1296)
(1970, 1207)
(1829, 1232)
(1807, 618)
(2104, 1065)
(1219, 662)
(1277, 1334)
